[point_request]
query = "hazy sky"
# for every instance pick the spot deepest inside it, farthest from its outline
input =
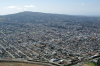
(70, 7)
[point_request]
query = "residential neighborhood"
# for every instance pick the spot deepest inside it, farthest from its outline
(54, 42)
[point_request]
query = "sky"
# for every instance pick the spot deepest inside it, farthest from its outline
(69, 7)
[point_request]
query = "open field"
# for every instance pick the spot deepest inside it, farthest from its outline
(19, 64)
(89, 64)
(22, 63)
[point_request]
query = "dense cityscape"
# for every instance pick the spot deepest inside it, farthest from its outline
(62, 41)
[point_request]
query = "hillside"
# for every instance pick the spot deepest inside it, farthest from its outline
(37, 17)
(55, 38)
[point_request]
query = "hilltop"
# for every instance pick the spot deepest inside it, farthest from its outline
(38, 17)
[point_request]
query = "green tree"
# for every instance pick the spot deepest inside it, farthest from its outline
(98, 62)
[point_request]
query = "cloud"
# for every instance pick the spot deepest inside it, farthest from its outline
(25, 8)
(29, 6)
(19, 8)
(10, 7)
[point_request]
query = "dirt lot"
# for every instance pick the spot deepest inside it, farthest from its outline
(19, 64)
(85, 65)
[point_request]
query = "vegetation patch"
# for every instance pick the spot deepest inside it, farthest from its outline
(91, 64)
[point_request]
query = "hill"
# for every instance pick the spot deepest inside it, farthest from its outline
(37, 17)
(57, 38)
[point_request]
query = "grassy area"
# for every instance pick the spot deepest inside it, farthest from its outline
(33, 32)
(91, 64)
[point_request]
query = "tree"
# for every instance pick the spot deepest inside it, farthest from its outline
(98, 62)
